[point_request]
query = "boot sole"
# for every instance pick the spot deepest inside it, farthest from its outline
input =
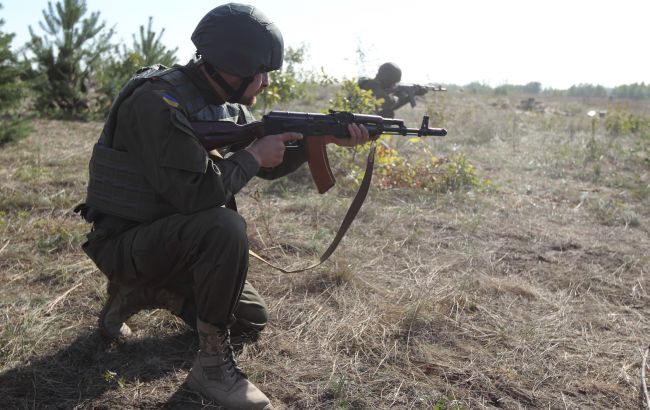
(195, 385)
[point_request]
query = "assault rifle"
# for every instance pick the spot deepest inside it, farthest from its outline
(220, 134)
(411, 90)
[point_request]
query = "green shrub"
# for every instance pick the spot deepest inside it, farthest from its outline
(392, 170)
(352, 98)
(621, 122)
(432, 174)
(287, 83)
(115, 71)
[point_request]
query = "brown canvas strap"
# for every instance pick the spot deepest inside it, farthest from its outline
(354, 208)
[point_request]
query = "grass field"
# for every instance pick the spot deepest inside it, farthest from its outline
(528, 290)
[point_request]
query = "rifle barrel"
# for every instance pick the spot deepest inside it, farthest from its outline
(420, 132)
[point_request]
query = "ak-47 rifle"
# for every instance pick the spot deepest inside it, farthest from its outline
(411, 90)
(220, 134)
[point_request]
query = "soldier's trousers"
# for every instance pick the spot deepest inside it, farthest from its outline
(203, 254)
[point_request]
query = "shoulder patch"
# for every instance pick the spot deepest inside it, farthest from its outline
(170, 100)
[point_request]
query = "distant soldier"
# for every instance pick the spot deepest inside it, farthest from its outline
(384, 86)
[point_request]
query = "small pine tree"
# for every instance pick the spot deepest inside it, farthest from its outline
(112, 76)
(67, 56)
(151, 49)
(120, 67)
(12, 91)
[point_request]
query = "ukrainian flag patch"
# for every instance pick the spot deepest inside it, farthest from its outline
(170, 100)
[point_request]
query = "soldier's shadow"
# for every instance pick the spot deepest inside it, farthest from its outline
(77, 375)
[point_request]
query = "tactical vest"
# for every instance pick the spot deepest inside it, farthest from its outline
(117, 185)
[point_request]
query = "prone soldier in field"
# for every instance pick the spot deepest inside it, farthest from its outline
(166, 232)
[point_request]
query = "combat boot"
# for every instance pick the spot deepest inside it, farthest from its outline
(215, 373)
(124, 302)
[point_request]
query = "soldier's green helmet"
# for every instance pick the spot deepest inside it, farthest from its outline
(389, 74)
(239, 40)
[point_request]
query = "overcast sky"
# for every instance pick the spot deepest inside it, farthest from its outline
(556, 42)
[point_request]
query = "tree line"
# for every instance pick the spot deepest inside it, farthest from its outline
(635, 91)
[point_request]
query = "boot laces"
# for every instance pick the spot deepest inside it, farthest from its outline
(229, 357)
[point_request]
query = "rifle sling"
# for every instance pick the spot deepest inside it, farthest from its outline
(355, 206)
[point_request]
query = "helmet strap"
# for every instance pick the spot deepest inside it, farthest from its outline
(235, 95)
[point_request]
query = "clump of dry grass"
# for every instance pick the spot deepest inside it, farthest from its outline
(531, 294)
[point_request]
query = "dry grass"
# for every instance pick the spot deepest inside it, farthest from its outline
(531, 294)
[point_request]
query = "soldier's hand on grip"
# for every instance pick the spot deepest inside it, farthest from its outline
(269, 150)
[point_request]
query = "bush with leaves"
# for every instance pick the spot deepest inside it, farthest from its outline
(12, 91)
(393, 170)
(67, 56)
(621, 122)
(287, 83)
(435, 174)
(352, 98)
(115, 71)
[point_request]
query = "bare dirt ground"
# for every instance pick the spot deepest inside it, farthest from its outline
(529, 290)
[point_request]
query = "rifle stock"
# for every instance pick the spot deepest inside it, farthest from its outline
(220, 134)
